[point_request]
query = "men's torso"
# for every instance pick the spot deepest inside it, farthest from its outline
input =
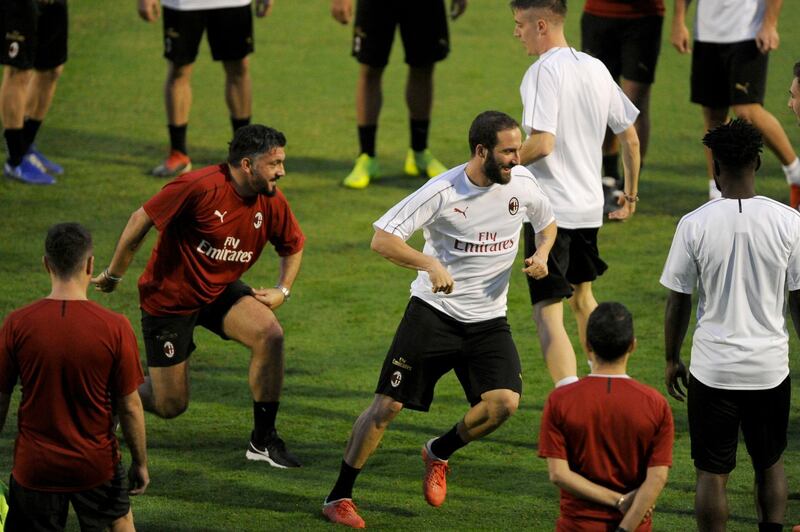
(728, 21)
(624, 8)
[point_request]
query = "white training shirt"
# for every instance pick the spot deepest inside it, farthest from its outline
(727, 21)
(195, 5)
(743, 257)
(474, 232)
(571, 95)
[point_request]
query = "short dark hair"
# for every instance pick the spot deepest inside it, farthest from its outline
(486, 126)
(252, 141)
(609, 331)
(797, 70)
(67, 247)
(735, 145)
(558, 7)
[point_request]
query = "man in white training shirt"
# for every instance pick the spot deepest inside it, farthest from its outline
(732, 41)
(568, 99)
(471, 218)
(743, 253)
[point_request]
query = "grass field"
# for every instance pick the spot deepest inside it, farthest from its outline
(107, 128)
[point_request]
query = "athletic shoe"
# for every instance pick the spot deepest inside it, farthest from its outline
(423, 163)
(434, 485)
(366, 168)
(272, 451)
(29, 173)
(3, 504)
(44, 164)
(176, 164)
(343, 512)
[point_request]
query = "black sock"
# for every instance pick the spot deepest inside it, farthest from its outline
(366, 139)
(15, 143)
(447, 444)
(177, 137)
(264, 419)
(611, 165)
(237, 123)
(30, 128)
(419, 134)
(770, 527)
(343, 489)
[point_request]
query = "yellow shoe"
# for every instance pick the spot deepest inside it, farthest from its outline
(366, 167)
(423, 163)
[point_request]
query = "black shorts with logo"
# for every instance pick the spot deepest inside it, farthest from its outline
(728, 74)
(629, 47)
(35, 33)
(429, 343)
(574, 259)
(230, 33)
(423, 29)
(168, 340)
(97, 508)
(715, 416)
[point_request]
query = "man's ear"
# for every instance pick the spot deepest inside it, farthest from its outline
(90, 265)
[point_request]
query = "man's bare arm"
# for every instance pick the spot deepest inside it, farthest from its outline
(394, 248)
(131, 418)
(645, 498)
(129, 242)
(538, 145)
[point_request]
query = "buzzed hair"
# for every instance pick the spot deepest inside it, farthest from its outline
(486, 126)
(557, 7)
(735, 145)
(253, 140)
(66, 248)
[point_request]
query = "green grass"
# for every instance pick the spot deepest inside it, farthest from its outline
(107, 128)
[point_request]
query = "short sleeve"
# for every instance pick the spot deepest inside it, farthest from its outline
(285, 233)
(621, 113)
(680, 270)
(539, 91)
(552, 443)
(128, 375)
(664, 438)
(414, 211)
(170, 201)
(539, 210)
(8, 368)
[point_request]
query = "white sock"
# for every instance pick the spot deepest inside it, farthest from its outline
(792, 172)
(713, 191)
(567, 380)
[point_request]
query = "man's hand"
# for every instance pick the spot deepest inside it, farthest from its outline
(149, 10)
(457, 8)
(441, 281)
(535, 267)
(342, 10)
(767, 38)
(271, 297)
(625, 212)
(104, 283)
(674, 372)
(263, 7)
(680, 38)
(138, 479)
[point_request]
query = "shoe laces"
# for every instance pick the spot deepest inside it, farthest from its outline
(345, 508)
(437, 472)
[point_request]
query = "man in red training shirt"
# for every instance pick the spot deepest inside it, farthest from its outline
(213, 224)
(610, 459)
(75, 362)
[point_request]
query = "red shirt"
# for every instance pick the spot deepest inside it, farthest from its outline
(73, 358)
(209, 236)
(625, 8)
(610, 430)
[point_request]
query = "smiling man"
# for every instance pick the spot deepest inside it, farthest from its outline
(471, 216)
(213, 225)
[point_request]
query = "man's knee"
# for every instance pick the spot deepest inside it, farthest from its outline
(170, 407)
(383, 410)
(236, 71)
(50, 75)
(501, 405)
(582, 300)
(179, 74)
(748, 111)
(270, 335)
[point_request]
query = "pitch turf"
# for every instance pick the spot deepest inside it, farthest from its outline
(107, 128)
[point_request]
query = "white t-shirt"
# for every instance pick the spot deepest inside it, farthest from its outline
(195, 5)
(571, 95)
(474, 232)
(727, 21)
(743, 257)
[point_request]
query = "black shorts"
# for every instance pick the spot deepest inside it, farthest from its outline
(423, 28)
(728, 74)
(628, 47)
(32, 510)
(715, 416)
(230, 33)
(574, 259)
(429, 343)
(168, 340)
(35, 33)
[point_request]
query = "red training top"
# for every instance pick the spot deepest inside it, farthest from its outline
(73, 358)
(624, 8)
(209, 236)
(610, 430)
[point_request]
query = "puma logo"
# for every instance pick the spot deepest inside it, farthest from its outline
(459, 211)
(745, 88)
(221, 215)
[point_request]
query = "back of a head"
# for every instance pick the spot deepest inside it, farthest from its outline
(67, 247)
(253, 140)
(609, 331)
(735, 145)
(557, 7)
(486, 126)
